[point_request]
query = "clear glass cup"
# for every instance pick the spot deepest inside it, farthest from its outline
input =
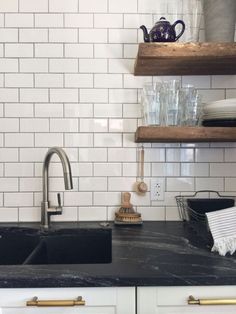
(150, 104)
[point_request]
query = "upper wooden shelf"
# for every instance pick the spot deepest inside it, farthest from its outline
(185, 59)
(156, 134)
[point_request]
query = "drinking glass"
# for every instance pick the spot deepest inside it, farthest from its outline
(190, 106)
(150, 101)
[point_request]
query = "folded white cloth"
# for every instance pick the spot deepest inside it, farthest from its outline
(222, 224)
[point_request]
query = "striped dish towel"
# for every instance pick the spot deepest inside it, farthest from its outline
(222, 224)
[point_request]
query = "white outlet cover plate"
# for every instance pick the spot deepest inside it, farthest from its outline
(157, 189)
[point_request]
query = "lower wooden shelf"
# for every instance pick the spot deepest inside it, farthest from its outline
(187, 134)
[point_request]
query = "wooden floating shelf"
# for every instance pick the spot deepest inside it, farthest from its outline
(185, 59)
(168, 134)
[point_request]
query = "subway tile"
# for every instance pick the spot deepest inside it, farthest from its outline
(82, 169)
(180, 184)
(93, 184)
(79, 50)
(29, 214)
(48, 80)
(49, 110)
(64, 95)
(19, 169)
(108, 80)
(123, 36)
(79, 20)
(93, 35)
(33, 95)
(216, 184)
(209, 155)
(19, 80)
(129, 140)
(92, 213)
(230, 184)
(19, 140)
(93, 125)
(130, 50)
(8, 154)
(77, 198)
(33, 65)
(33, 6)
(199, 81)
(8, 35)
(121, 65)
(152, 6)
(8, 95)
(152, 213)
(209, 95)
(92, 154)
(34, 125)
(78, 80)
(122, 125)
(170, 169)
(48, 139)
(131, 111)
(93, 95)
(9, 125)
(19, 20)
(64, 125)
(108, 20)
(63, 35)
(107, 198)
(48, 20)
(154, 155)
(136, 200)
(121, 154)
(48, 50)
(107, 140)
(9, 6)
(58, 184)
(123, 6)
(30, 184)
(108, 51)
(63, 6)
(78, 110)
(93, 65)
(107, 169)
(8, 184)
(93, 6)
(8, 65)
(131, 169)
(195, 169)
(131, 81)
(18, 199)
(172, 214)
(182, 155)
(122, 95)
(79, 140)
(223, 169)
(19, 50)
(68, 214)
(32, 154)
(8, 214)
(63, 65)
(33, 35)
(121, 184)
(230, 154)
(224, 81)
(108, 110)
(134, 20)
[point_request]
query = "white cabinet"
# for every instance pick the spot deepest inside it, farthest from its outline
(174, 300)
(97, 300)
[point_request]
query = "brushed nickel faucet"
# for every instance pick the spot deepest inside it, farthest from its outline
(46, 209)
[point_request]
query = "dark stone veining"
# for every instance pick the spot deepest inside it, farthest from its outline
(155, 254)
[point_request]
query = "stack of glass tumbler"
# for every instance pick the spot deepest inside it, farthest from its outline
(168, 104)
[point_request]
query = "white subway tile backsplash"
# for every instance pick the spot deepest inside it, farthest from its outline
(48, 20)
(18, 199)
(67, 80)
(63, 6)
(93, 6)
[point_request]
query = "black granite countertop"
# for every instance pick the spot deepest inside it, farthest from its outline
(154, 254)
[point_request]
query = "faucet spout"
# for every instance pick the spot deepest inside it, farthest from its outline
(46, 211)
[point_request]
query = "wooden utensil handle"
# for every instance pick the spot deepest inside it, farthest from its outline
(126, 200)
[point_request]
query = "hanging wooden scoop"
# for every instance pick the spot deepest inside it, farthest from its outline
(142, 186)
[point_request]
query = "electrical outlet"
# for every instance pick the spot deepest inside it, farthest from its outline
(157, 189)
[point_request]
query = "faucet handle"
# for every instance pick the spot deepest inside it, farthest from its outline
(59, 199)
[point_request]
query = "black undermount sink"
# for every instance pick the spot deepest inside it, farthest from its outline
(65, 246)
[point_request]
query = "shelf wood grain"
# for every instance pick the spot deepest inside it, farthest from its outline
(185, 59)
(156, 134)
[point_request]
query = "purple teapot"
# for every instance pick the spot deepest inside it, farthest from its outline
(162, 31)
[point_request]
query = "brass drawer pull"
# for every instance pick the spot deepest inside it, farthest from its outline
(36, 302)
(193, 301)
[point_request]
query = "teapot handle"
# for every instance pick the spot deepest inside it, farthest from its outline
(183, 28)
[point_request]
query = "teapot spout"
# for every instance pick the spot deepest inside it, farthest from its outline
(145, 34)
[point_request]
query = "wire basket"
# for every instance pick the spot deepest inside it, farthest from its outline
(192, 208)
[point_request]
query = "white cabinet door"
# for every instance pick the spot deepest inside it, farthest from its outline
(97, 300)
(173, 300)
